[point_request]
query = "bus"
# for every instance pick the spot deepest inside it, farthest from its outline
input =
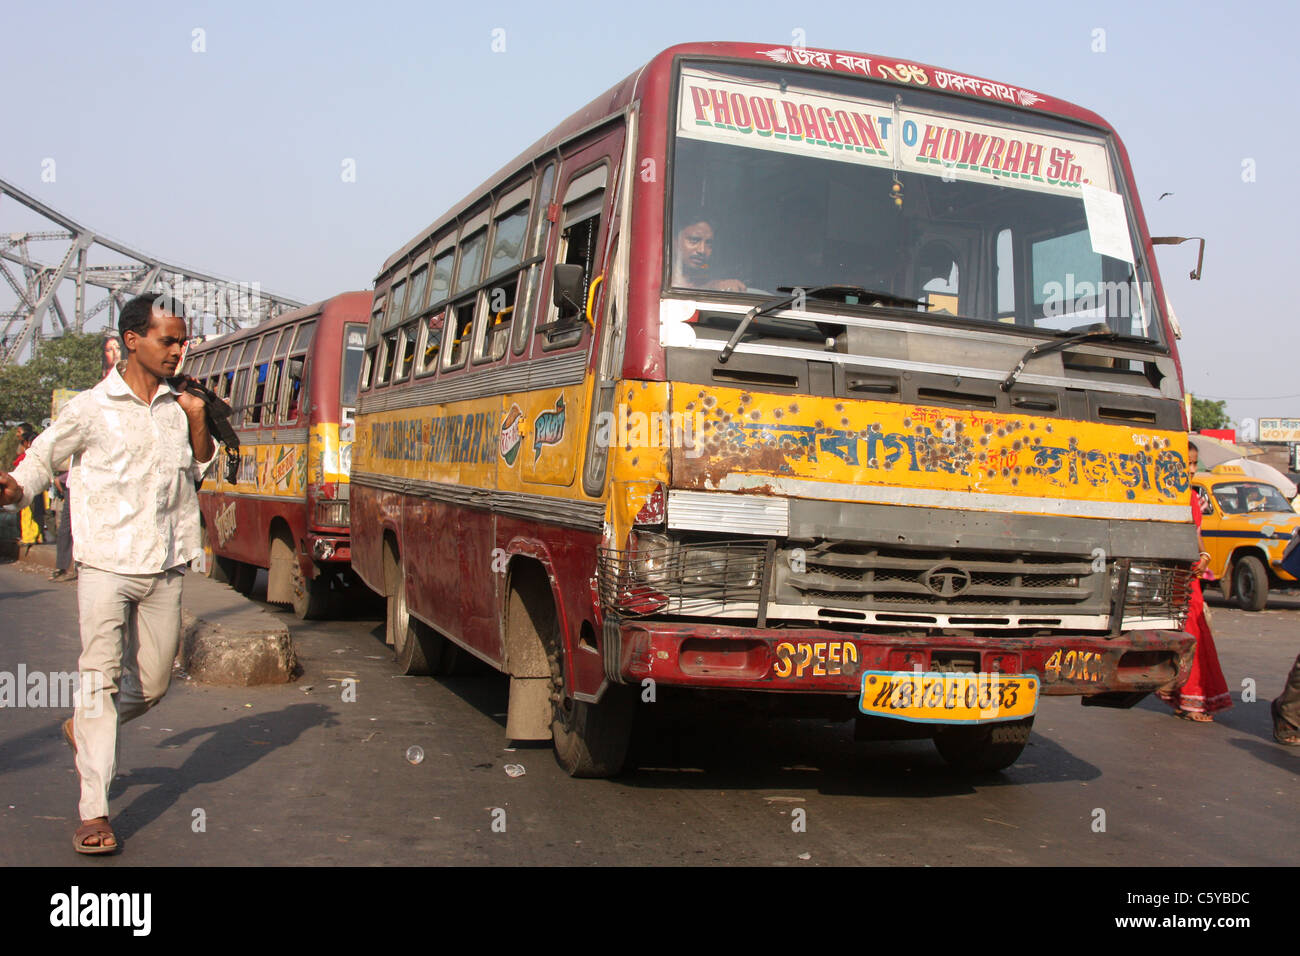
(292, 383)
(840, 382)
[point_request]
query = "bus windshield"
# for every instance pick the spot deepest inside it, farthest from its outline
(353, 355)
(907, 199)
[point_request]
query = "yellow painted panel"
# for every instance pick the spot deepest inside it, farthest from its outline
(894, 445)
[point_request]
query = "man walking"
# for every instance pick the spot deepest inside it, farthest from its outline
(137, 449)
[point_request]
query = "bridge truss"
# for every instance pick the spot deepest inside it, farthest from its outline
(99, 274)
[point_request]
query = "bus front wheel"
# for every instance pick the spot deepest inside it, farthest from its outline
(591, 739)
(310, 598)
(983, 748)
(214, 565)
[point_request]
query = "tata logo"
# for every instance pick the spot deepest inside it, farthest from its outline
(946, 580)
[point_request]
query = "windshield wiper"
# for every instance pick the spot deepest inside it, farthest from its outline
(876, 297)
(1099, 333)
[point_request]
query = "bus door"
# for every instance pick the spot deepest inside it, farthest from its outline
(553, 425)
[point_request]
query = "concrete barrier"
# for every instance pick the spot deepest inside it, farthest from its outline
(225, 637)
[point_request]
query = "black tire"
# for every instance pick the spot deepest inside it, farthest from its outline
(983, 748)
(417, 649)
(243, 577)
(311, 599)
(591, 740)
(1250, 583)
(215, 567)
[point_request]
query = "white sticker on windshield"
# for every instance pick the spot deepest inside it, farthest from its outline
(1107, 223)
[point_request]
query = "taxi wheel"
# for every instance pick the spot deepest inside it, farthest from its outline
(1250, 583)
(983, 748)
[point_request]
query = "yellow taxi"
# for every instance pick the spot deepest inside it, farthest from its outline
(1245, 526)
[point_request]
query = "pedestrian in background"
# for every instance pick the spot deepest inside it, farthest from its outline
(1206, 690)
(63, 537)
(137, 448)
(1286, 706)
(32, 518)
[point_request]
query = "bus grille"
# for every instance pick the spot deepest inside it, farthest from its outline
(703, 577)
(868, 577)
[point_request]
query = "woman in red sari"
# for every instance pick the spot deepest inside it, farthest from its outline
(1206, 690)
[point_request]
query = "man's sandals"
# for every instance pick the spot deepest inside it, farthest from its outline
(96, 830)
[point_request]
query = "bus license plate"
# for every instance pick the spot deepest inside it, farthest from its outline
(948, 698)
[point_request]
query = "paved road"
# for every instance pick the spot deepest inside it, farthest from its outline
(295, 775)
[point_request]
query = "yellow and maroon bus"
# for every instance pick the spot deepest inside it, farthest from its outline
(838, 380)
(292, 382)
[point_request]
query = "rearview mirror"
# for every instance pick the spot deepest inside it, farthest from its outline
(566, 281)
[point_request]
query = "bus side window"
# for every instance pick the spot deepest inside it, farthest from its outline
(460, 317)
(368, 367)
(508, 234)
(577, 247)
(537, 243)
(239, 394)
(294, 374)
(583, 202)
(272, 393)
(405, 351)
(387, 357)
(261, 374)
(428, 360)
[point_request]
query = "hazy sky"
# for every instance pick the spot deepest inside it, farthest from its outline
(230, 160)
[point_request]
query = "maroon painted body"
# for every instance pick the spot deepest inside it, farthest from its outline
(448, 546)
(309, 418)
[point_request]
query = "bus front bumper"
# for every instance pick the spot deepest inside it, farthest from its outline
(326, 548)
(819, 660)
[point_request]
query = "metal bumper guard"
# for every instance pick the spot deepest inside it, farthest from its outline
(820, 660)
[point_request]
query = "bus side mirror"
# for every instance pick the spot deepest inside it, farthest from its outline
(1178, 240)
(566, 282)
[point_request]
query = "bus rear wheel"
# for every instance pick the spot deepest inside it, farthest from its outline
(417, 648)
(243, 576)
(983, 748)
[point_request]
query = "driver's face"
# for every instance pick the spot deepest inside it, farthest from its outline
(695, 247)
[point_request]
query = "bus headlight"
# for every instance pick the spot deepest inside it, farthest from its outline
(332, 514)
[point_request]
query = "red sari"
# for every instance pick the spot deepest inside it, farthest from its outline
(1206, 690)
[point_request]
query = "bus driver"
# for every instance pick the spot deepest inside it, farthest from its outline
(692, 250)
